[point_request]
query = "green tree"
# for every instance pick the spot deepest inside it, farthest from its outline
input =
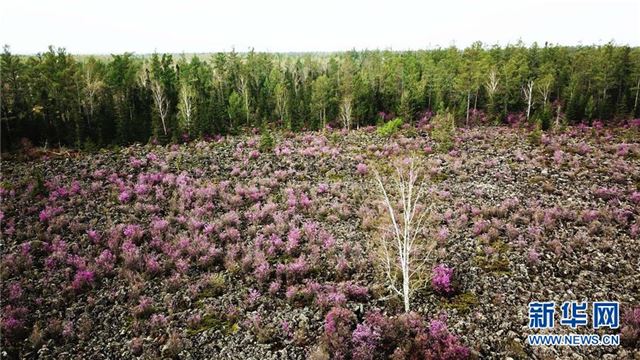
(320, 99)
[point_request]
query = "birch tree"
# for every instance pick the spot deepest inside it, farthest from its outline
(491, 86)
(185, 107)
(544, 87)
(345, 112)
(404, 250)
(527, 91)
(93, 85)
(162, 105)
(244, 90)
(281, 104)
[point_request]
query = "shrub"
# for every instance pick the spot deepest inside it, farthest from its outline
(406, 336)
(630, 332)
(267, 143)
(362, 169)
(215, 285)
(144, 308)
(365, 341)
(444, 128)
(274, 287)
(543, 118)
(137, 346)
(442, 280)
(15, 291)
(12, 322)
(106, 261)
(48, 213)
(82, 279)
(338, 325)
(390, 127)
(253, 296)
(173, 346)
(194, 321)
(124, 197)
(535, 136)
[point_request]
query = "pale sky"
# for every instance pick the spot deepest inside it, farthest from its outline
(145, 26)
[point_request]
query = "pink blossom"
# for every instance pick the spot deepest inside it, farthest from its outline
(442, 278)
(106, 261)
(533, 257)
(93, 235)
(322, 188)
(49, 212)
(293, 239)
(152, 265)
(124, 197)
(362, 169)
(133, 231)
(443, 234)
(274, 287)
(15, 291)
(253, 296)
(82, 278)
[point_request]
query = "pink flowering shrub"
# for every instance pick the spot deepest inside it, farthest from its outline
(124, 196)
(13, 322)
(82, 279)
(15, 292)
(299, 295)
(442, 280)
(326, 297)
(630, 332)
(606, 193)
(293, 240)
(144, 308)
(152, 265)
(253, 296)
(338, 325)
(355, 292)
(131, 254)
(133, 232)
(274, 287)
(405, 336)
(49, 212)
(94, 236)
(362, 169)
(296, 270)
(533, 257)
(106, 261)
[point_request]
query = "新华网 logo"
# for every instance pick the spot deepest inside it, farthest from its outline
(574, 314)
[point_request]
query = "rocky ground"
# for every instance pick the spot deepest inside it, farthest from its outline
(234, 249)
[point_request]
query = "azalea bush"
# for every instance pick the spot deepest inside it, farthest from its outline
(406, 336)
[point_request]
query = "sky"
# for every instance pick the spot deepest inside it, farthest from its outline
(145, 26)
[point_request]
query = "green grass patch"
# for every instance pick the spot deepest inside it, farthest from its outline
(497, 262)
(390, 127)
(211, 322)
(462, 302)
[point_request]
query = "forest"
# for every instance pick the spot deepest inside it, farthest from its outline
(59, 99)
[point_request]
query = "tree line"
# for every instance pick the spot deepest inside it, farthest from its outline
(58, 99)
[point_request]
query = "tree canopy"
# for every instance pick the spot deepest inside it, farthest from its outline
(59, 99)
